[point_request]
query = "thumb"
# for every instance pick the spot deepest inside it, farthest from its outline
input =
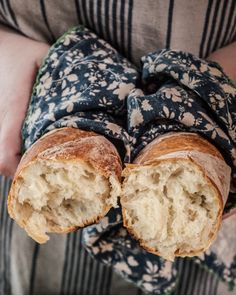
(10, 136)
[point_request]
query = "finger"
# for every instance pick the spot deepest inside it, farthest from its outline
(10, 141)
(8, 164)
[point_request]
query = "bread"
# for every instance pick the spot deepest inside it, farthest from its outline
(174, 193)
(66, 180)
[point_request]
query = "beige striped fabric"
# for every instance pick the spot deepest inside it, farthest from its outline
(134, 27)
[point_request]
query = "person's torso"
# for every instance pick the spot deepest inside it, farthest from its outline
(134, 27)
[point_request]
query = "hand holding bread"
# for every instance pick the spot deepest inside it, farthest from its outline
(173, 194)
(20, 59)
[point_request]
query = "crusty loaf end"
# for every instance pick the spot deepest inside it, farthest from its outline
(66, 186)
(173, 195)
(171, 208)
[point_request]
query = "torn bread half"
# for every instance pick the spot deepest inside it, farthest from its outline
(174, 193)
(66, 180)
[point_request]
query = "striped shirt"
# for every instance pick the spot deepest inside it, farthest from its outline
(134, 27)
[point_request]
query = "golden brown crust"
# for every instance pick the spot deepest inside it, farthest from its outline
(171, 143)
(176, 142)
(70, 145)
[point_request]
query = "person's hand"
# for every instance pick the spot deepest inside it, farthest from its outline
(226, 58)
(20, 59)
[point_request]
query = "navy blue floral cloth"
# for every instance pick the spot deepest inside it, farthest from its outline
(85, 83)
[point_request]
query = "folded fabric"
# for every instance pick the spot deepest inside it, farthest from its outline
(84, 83)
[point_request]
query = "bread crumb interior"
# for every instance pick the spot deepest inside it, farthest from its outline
(171, 207)
(53, 196)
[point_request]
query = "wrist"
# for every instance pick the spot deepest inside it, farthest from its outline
(226, 58)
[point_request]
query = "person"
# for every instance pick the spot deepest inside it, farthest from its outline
(20, 59)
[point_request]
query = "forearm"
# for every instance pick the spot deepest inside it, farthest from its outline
(10, 38)
(7, 35)
(226, 57)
